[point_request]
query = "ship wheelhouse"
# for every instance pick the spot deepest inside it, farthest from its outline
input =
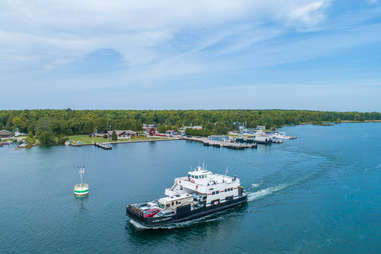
(208, 187)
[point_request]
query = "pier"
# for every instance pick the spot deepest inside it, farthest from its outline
(103, 146)
(226, 144)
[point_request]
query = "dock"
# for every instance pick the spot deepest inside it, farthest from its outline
(226, 144)
(103, 146)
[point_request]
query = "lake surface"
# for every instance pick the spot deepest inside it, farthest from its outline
(320, 193)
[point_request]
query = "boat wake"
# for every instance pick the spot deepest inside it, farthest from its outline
(255, 185)
(251, 196)
(255, 195)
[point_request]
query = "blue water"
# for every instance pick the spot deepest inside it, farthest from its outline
(320, 193)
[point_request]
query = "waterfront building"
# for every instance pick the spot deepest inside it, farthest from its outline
(5, 134)
(171, 132)
(123, 134)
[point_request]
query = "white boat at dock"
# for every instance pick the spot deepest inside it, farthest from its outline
(23, 145)
(282, 135)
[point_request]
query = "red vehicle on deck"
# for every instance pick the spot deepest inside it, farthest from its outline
(151, 212)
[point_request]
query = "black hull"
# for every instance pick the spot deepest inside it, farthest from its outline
(195, 214)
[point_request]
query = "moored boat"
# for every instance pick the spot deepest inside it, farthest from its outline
(194, 196)
(23, 145)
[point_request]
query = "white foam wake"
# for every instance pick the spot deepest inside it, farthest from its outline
(256, 185)
(265, 192)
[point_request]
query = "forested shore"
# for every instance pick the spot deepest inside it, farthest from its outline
(52, 126)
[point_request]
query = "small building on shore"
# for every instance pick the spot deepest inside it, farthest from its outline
(197, 127)
(171, 132)
(20, 134)
(260, 128)
(149, 129)
(123, 134)
(5, 134)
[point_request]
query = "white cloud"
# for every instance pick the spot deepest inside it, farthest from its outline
(52, 32)
(310, 14)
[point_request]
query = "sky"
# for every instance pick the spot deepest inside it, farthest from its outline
(199, 54)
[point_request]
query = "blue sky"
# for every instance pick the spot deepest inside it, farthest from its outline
(200, 54)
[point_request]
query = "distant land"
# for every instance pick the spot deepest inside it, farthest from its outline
(51, 126)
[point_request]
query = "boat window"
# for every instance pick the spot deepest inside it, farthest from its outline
(217, 192)
(168, 205)
(196, 177)
(173, 203)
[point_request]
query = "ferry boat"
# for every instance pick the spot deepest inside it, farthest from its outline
(196, 195)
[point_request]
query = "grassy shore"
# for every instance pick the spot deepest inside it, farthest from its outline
(86, 140)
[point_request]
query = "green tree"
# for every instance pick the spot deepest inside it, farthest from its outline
(113, 135)
(46, 138)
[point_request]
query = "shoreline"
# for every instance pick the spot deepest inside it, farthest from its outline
(131, 141)
(323, 124)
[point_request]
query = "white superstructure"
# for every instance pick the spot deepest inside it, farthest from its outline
(205, 186)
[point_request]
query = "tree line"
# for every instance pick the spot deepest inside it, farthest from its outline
(51, 126)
